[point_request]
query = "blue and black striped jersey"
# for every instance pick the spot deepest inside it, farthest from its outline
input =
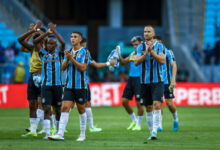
(51, 67)
(151, 70)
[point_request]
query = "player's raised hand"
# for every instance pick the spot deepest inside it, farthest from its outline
(69, 54)
(38, 25)
(52, 27)
(150, 45)
(31, 26)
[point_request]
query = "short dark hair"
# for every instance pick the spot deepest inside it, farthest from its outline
(136, 38)
(157, 37)
(36, 36)
(52, 36)
(77, 32)
(83, 40)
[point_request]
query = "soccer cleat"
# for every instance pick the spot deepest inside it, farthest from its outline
(56, 137)
(30, 134)
(42, 131)
(154, 136)
(160, 129)
(149, 138)
(175, 125)
(52, 130)
(131, 126)
(94, 129)
(136, 128)
(81, 138)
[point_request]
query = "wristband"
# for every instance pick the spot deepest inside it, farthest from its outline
(107, 63)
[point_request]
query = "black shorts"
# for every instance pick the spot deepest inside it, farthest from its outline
(76, 95)
(33, 92)
(88, 94)
(167, 93)
(151, 92)
(133, 87)
(51, 95)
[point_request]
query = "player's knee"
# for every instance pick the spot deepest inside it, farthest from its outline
(149, 108)
(88, 104)
(47, 109)
(65, 108)
(32, 105)
(157, 105)
(124, 101)
(169, 103)
(81, 110)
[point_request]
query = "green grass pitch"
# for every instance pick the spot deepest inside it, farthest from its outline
(199, 130)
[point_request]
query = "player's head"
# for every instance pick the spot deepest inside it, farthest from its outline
(136, 40)
(83, 43)
(51, 43)
(158, 38)
(76, 37)
(149, 32)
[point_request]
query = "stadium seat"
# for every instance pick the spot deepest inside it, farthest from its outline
(2, 26)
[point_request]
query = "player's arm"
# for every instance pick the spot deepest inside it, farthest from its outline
(102, 65)
(22, 39)
(80, 66)
(53, 29)
(40, 38)
(159, 57)
(140, 58)
(174, 71)
(122, 60)
(24, 42)
(22, 48)
(65, 64)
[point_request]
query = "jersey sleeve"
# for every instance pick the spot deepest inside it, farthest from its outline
(89, 59)
(81, 57)
(61, 55)
(160, 49)
(172, 57)
(139, 49)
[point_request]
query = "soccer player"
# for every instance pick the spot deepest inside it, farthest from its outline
(51, 82)
(33, 89)
(76, 87)
(94, 64)
(151, 57)
(133, 86)
(169, 84)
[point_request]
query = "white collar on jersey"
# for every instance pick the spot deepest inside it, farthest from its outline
(74, 51)
(148, 46)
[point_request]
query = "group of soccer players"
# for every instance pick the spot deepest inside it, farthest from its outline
(59, 81)
(152, 76)
(46, 88)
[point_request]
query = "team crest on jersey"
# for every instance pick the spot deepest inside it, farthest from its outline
(79, 55)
